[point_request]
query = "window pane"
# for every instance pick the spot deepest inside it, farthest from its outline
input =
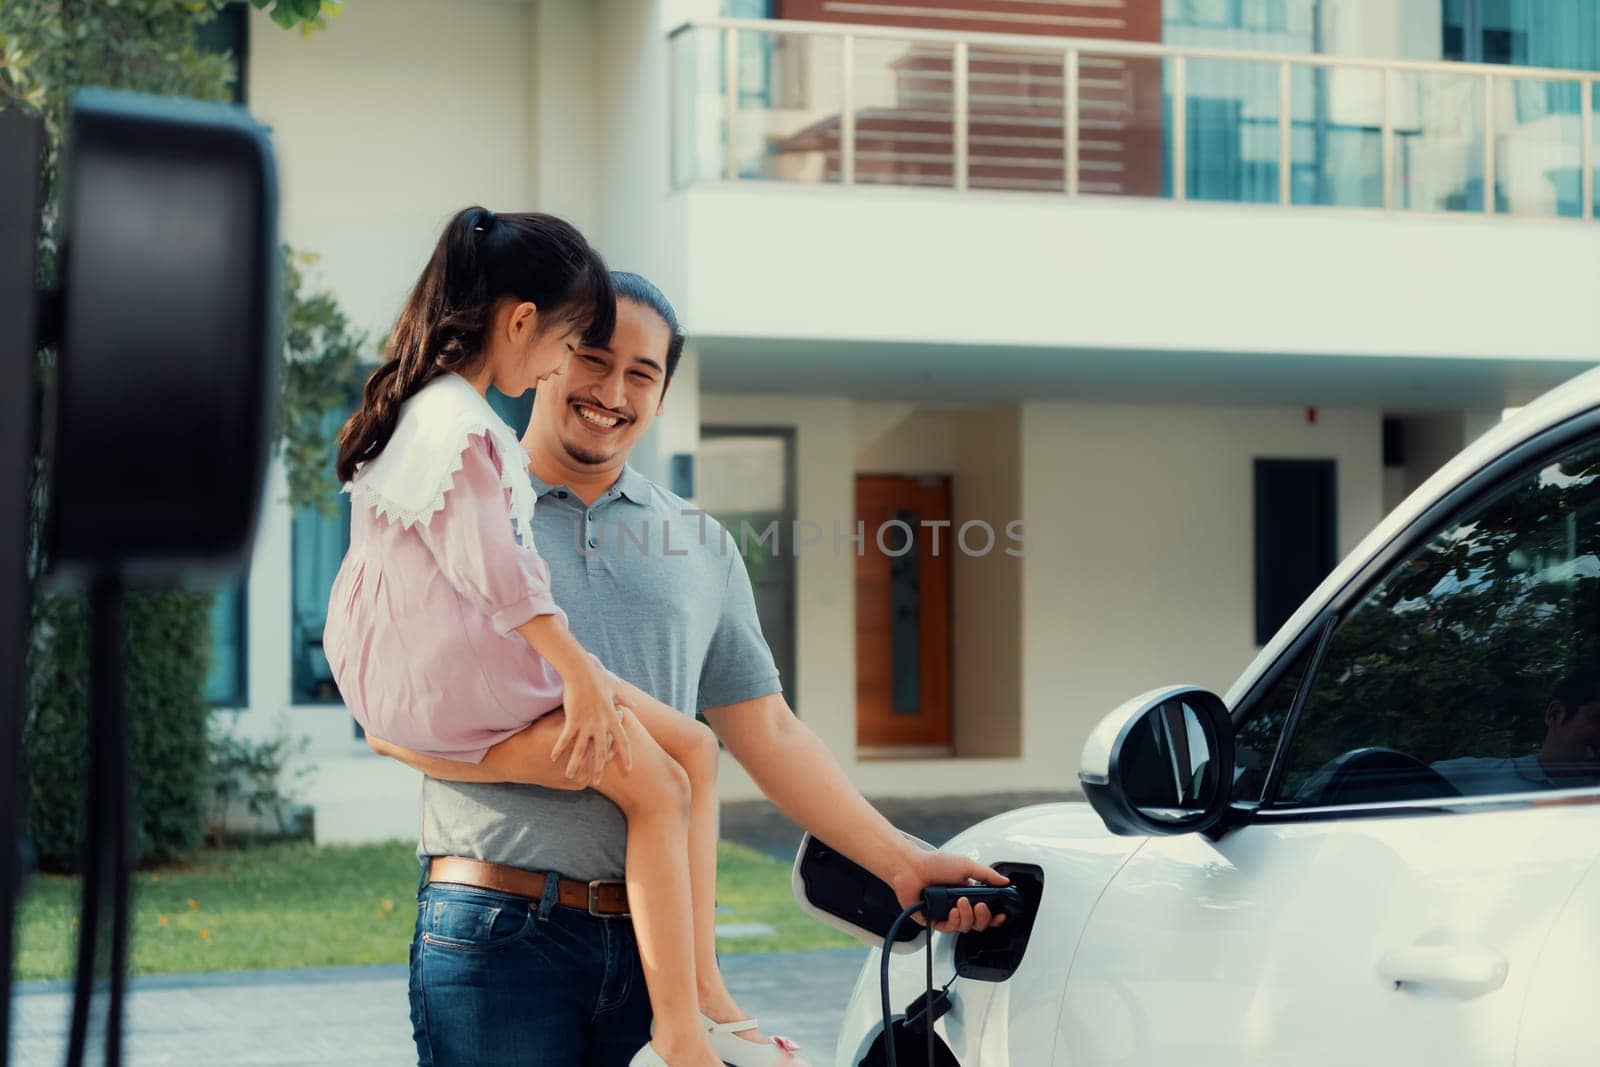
(1538, 148)
(1015, 138)
(515, 410)
(1336, 137)
(905, 113)
(1232, 131)
(1256, 741)
(791, 96)
(1438, 134)
(317, 546)
(225, 685)
(1474, 666)
(744, 484)
(905, 610)
(699, 109)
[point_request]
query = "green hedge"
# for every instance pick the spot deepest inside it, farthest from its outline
(166, 649)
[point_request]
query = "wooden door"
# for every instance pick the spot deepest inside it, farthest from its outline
(903, 612)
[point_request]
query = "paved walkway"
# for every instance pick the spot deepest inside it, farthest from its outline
(358, 1015)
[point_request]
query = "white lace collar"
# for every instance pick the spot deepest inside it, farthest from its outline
(408, 480)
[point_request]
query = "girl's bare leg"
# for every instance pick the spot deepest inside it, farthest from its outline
(655, 798)
(694, 747)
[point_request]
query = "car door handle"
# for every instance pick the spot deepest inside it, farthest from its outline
(1462, 971)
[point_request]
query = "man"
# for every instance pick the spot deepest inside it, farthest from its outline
(661, 597)
(1568, 758)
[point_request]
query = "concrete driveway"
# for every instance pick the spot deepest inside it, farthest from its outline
(358, 1015)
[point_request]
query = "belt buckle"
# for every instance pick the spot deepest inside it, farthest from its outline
(594, 896)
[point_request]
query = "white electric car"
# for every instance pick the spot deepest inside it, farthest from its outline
(1382, 846)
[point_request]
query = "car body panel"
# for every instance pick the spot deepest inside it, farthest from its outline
(1269, 946)
(1560, 1024)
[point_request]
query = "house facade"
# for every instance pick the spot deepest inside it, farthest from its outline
(1041, 353)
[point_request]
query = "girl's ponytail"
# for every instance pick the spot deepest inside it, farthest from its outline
(480, 259)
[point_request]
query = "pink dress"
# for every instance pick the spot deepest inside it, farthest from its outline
(421, 630)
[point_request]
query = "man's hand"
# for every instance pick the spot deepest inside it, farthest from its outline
(948, 868)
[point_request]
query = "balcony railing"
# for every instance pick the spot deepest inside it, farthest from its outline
(845, 105)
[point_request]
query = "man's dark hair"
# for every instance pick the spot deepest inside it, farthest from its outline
(637, 289)
(1580, 687)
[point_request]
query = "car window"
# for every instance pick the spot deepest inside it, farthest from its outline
(1256, 740)
(1473, 667)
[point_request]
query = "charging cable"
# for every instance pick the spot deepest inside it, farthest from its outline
(883, 982)
(936, 900)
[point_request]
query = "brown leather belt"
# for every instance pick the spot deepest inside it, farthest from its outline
(602, 897)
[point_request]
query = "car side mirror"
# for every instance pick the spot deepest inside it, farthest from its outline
(1161, 764)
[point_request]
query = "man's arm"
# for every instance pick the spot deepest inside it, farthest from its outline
(795, 770)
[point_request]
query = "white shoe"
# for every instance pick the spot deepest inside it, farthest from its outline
(648, 1057)
(737, 1052)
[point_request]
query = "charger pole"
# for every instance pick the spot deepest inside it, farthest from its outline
(21, 144)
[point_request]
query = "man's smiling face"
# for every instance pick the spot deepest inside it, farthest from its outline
(599, 407)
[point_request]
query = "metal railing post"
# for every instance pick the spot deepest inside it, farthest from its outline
(1586, 152)
(1285, 131)
(1388, 139)
(674, 107)
(1069, 121)
(730, 76)
(1488, 145)
(1180, 130)
(962, 128)
(847, 116)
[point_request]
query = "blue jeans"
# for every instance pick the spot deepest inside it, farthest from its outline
(502, 981)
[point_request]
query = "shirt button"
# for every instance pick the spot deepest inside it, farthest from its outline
(590, 516)
(562, 493)
(593, 543)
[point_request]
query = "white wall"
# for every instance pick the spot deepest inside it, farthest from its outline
(1142, 568)
(901, 438)
(633, 164)
(566, 105)
(824, 580)
(994, 269)
(385, 124)
(980, 451)
(1140, 572)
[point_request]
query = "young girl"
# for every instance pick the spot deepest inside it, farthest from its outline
(442, 633)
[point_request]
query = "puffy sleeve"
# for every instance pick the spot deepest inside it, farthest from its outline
(471, 539)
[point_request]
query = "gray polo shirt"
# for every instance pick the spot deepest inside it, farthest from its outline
(660, 594)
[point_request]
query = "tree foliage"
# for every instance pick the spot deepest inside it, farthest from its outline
(48, 50)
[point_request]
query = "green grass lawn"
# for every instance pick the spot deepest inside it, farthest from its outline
(294, 905)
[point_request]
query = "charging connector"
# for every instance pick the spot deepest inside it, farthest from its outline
(1001, 899)
(938, 901)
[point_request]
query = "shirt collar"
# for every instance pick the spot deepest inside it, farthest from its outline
(630, 483)
(1529, 768)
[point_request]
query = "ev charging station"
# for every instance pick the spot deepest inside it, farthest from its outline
(166, 332)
